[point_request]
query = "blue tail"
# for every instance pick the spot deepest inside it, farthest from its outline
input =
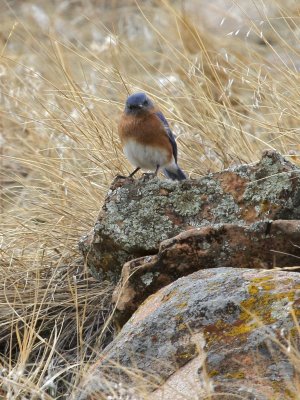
(174, 173)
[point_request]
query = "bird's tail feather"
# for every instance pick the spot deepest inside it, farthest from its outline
(174, 173)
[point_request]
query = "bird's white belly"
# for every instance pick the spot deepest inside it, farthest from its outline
(145, 157)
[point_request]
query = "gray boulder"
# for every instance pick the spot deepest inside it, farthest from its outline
(234, 330)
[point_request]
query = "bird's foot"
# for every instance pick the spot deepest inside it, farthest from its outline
(147, 176)
(120, 180)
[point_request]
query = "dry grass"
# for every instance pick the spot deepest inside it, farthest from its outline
(65, 70)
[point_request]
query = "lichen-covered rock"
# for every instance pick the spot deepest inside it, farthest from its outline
(262, 245)
(242, 322)
(137, 215)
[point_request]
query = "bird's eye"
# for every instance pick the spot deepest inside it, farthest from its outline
(145, 103)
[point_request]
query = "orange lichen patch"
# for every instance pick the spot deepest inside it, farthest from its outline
(154, 338)
(169, 295)
(163, 192)
(120, 224)
(248, 213)
(206, 211)
(233, 184)
(148, 307)
(265, 207)
(212, 333)
(246, 360)
(175, 219)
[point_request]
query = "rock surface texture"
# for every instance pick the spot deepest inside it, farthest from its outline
(137, 215)
(233, 331)
(262, 245)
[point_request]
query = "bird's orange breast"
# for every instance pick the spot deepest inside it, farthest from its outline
(144, 129)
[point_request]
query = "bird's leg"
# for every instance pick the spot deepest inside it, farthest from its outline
(129, 176)
(132, 173)
(156, 171)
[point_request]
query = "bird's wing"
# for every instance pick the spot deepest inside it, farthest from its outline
(169, 133)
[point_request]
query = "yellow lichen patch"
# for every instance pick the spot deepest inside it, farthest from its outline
(261, 306)
(213, 373)
(268, 285)
(235, 375)
(279, 387)
(265, 206)
(210, 337)
(242, 329)
(297, 312)
(248, 305)
(255, 310)
(181, 327)
(220, 324)
(184, 356)
(262, 279)
(188, 354)
(182, 305)
(294, 332)
(260, 283)
(291, 395)
(253, 289)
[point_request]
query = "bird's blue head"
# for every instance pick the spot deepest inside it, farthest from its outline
(138, 103)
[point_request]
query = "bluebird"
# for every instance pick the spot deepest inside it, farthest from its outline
(147, 139)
